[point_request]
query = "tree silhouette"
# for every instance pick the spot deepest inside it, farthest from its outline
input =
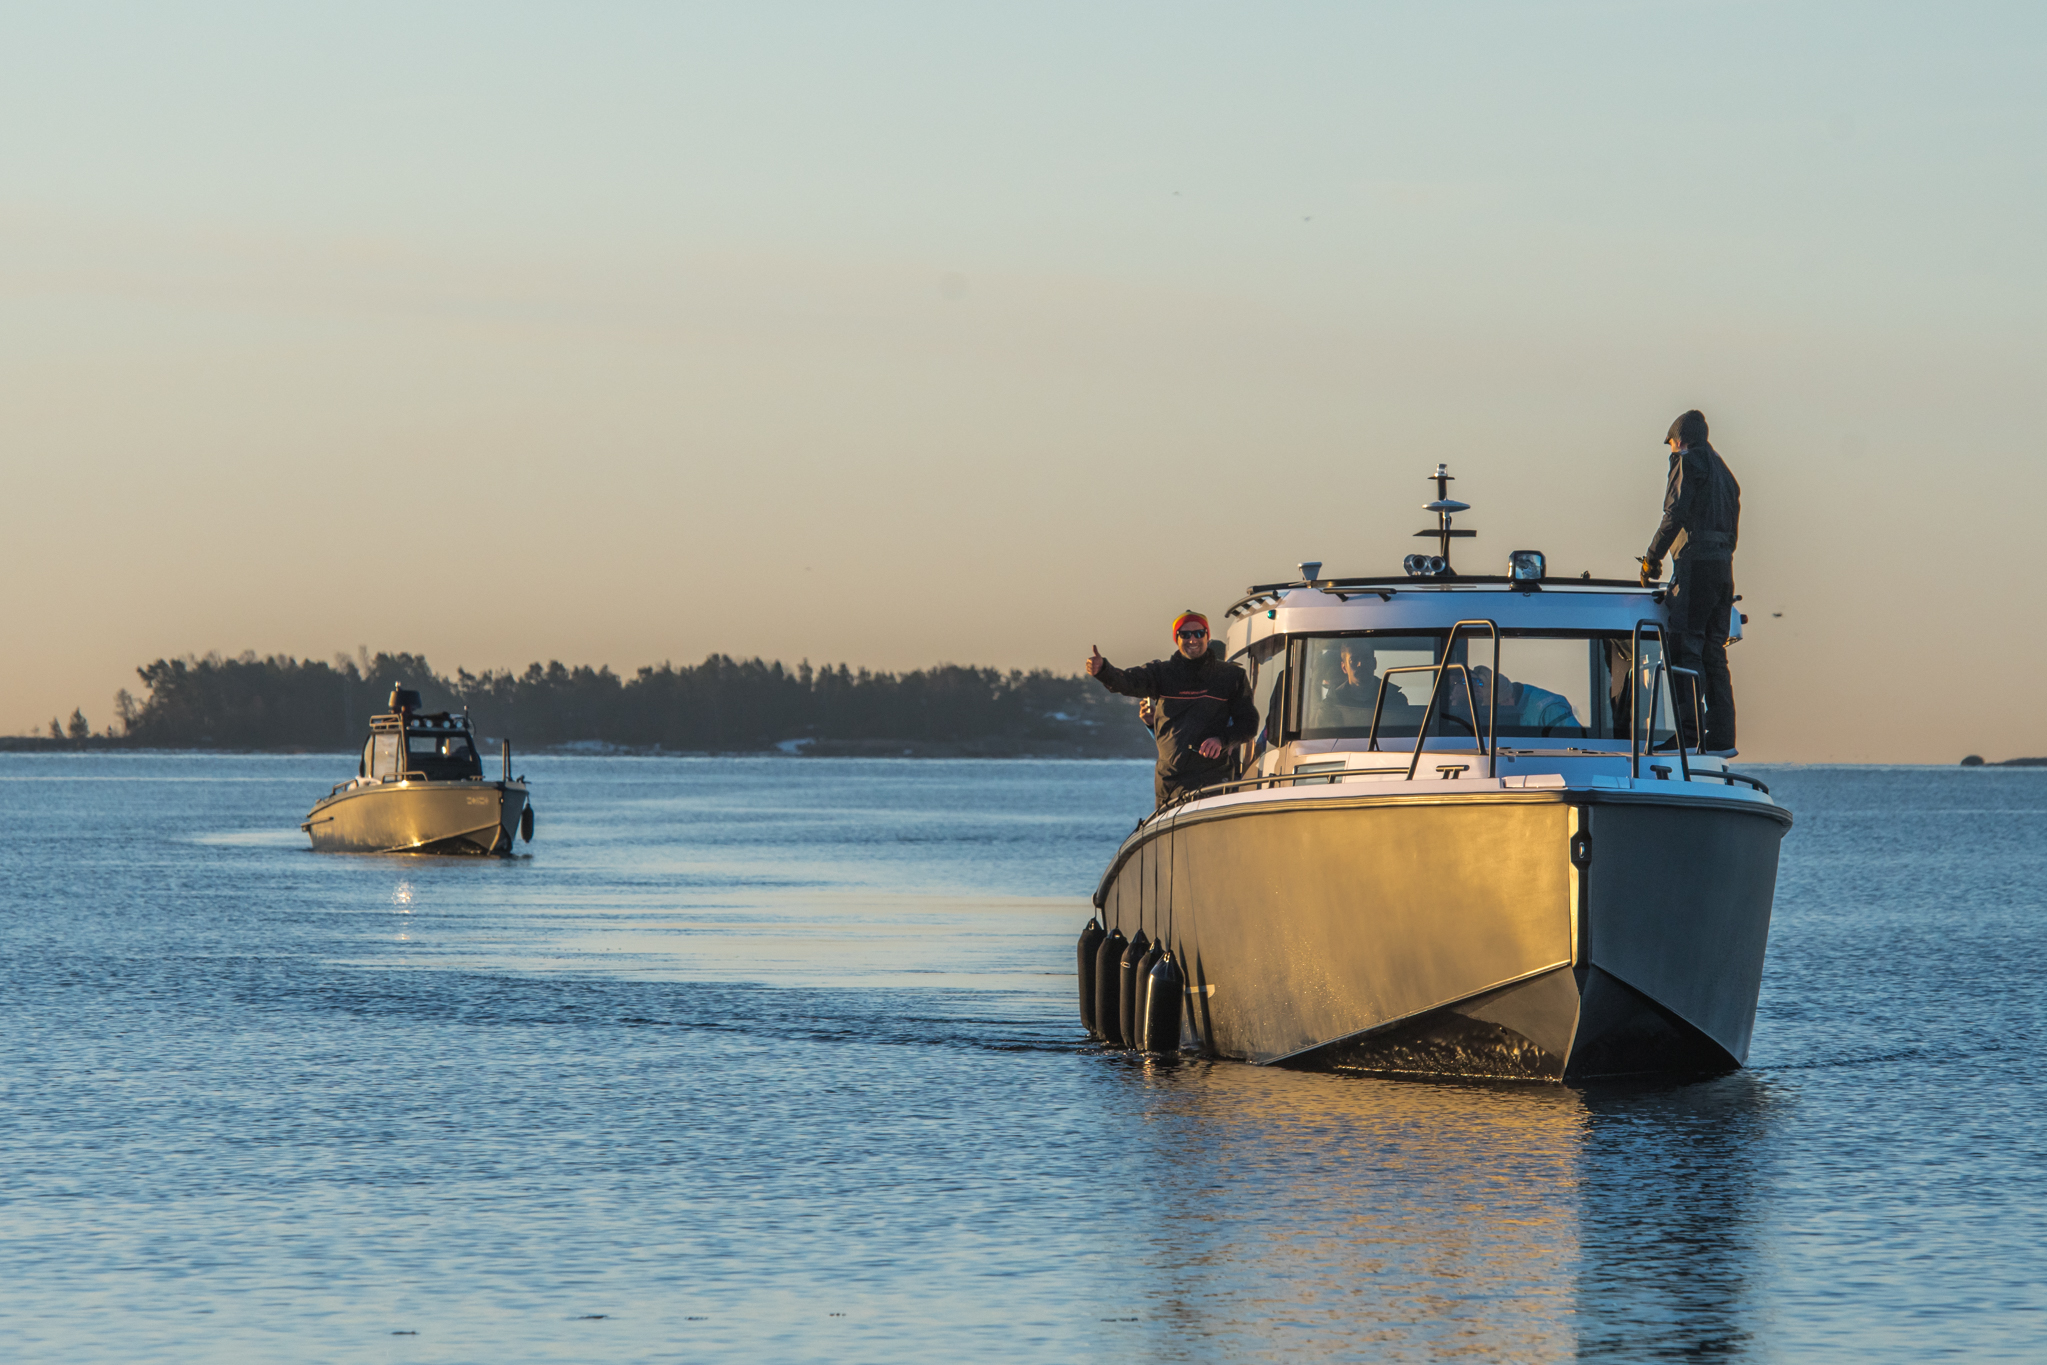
(78, 728)
(721, 705)
(126, 709)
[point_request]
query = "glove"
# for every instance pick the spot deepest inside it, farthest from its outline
(1652, 569)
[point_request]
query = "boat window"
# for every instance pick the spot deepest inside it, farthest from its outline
(1251, 661)
(1342, 677)
(384, 756)
(445, 757)
(1547, 691)
(1553, 687)
(1275, 711)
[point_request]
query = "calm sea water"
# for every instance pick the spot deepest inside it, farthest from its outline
(778, 1060)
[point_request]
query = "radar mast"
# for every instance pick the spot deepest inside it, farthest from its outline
(1444, 507)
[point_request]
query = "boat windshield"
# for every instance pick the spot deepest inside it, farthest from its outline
(1553, 686)
(443, 756)
(380, 756)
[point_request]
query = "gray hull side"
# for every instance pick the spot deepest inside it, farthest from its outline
(1678, 909)
(419, 817)
(1454, 935)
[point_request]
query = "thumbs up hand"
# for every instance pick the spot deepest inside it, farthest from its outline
(1095, 662)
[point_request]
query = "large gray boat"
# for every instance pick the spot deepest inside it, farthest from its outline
(1469, 842)
(420, 788)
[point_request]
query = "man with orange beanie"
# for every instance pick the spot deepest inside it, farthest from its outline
(1204, 706)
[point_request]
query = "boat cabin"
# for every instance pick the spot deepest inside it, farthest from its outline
(405, 745)
(1363, 664)
(1518, 672)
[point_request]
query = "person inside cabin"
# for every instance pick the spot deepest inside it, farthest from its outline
(1524, 709)
(1701, 522)
(1203, 706)
(1354, 683)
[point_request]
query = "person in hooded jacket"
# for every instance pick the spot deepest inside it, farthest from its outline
(1203, 706)
(1701, 522)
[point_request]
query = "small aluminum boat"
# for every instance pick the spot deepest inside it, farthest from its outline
(420, 788)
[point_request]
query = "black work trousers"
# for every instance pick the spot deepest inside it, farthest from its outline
(1172, 788)
(1701, 606)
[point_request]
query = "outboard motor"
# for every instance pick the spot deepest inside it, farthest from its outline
(1130, 988)
(1088, 948)
(1164, 996)
(1108, 999)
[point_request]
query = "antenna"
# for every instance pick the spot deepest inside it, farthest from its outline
(1444, 506)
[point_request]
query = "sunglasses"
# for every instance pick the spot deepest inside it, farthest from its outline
(1194, 635)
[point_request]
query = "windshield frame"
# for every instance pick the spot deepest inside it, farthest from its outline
(1607, 723)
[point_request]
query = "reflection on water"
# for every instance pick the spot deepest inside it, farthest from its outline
(1378, 1217)
(1671, 1199)
(1346, 1217)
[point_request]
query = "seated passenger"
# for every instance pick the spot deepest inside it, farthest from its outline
(1353, 685)
(1524, 708)
(1354, 682)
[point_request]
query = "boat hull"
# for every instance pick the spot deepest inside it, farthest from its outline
(468, 817)
(1552, 935)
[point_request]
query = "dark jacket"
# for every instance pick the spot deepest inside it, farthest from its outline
(1703, 501)
(1200, 699)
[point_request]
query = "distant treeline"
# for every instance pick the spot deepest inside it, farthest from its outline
(722, 705)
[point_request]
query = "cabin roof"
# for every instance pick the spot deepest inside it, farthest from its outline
(1423, 604)
(436, 721)
(1343, 587)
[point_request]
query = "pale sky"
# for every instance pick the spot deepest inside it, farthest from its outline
(899, 334)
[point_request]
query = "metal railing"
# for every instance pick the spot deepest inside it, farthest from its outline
(1441, 669)
(1642, 728)
(1655, 702)
(1730, 777)
(1379, 701)
(1332, 776)
(1641, 724)
(1329, 776)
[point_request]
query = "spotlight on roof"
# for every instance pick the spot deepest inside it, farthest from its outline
(1311, 569)
(1525, 565)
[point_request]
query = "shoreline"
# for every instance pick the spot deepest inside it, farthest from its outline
(878, 748)
(874, 750)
